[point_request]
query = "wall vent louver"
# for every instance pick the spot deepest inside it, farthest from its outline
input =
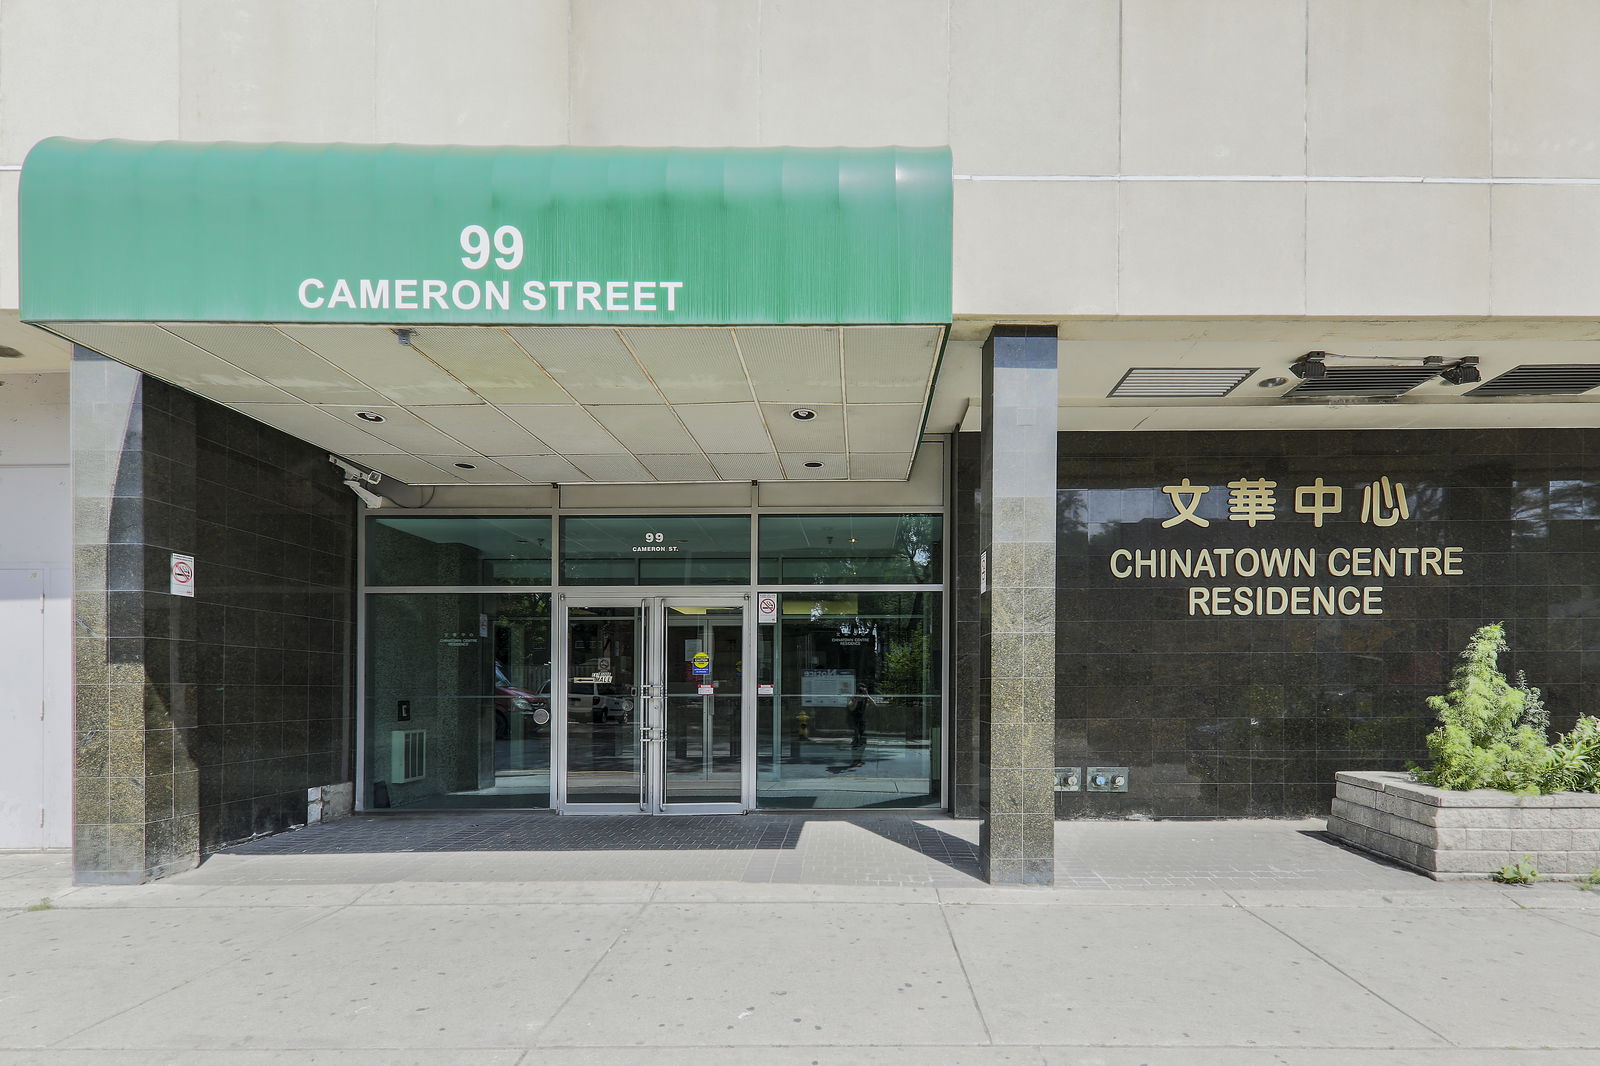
(1370, 381)
(408, 755)
(1542, 379)
(1200, 382)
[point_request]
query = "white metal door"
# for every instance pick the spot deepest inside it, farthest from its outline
(24, 759)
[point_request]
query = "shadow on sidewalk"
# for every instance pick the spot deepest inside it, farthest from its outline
(521, 831)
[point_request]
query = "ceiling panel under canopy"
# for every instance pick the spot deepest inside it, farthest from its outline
(447, 405)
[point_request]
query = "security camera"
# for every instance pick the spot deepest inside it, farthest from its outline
(357, 480)
(367, 496)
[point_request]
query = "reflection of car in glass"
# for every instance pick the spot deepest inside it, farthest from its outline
(600, 702)
(510, 700)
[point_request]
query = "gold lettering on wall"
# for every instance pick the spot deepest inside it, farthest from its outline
(1254, 500)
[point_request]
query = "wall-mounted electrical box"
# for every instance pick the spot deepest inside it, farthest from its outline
(1069, 779)
(1106, 779)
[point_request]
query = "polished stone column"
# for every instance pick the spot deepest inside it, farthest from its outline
(1017, 598)
(135, 795)
(204, 720)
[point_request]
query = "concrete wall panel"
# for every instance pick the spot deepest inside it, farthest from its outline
(840, 72)
(1212, 88)
(472, 71)
(1215, 248)
(1546, 249)
(681, 72)
(1391, 249)
(1546, 82)
(1036, 247)
(9, 277)
(1398, 87)
(1090, 88)
(235, 56)
(86, 68)
(1034, 88)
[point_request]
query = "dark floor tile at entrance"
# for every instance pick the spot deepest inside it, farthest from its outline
(517, 831)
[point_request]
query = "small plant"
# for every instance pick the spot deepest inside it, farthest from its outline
(1493, 734)
(1573, 761)
(1590, 880)
(1535, 715)
(43, 905)
(1521, 872)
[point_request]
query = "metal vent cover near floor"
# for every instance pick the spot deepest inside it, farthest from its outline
(408, 755)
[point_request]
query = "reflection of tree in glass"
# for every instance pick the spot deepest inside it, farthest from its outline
(912, 557)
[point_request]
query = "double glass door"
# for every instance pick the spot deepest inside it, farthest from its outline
(656, 705)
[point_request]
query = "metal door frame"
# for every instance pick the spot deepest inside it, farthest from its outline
(650, 703)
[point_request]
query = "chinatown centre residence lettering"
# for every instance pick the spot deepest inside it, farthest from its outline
(1254, 501)
(505, 248)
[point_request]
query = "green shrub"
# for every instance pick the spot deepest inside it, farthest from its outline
(1589, 880)
(1572, 763)
(1491, 733)
(1521, 872)
(1479, 743)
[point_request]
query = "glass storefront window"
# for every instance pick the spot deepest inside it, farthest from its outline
(466, 550)
(458, 700)
(660, 550)
(853, 719)
(829, 549)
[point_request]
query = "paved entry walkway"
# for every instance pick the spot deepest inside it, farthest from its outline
(863, 849)
(517, 940)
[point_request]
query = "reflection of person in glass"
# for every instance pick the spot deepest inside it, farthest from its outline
(856, 711)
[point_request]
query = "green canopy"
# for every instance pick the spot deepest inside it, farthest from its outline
(125, 231)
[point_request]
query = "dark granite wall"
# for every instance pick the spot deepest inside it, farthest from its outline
(1231, 716)
(201, 721)
(966, 626)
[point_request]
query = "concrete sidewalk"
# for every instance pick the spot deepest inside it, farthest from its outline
(1265, 944)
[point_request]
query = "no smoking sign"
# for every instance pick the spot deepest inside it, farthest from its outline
(182, 575)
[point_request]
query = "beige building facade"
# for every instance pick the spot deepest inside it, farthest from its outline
(1162, 186)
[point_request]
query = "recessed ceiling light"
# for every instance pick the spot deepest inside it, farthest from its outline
(8, 352)
(813, 466)
(465, 466)
(370, 416)
(1271, 383)
(802, 414)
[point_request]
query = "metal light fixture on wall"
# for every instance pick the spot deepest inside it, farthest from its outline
(1463, 373)
(1373, 377)
(1310, 367)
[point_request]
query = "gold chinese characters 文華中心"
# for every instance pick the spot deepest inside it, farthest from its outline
(1254, 501)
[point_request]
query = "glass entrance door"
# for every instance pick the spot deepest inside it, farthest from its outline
(656, 706)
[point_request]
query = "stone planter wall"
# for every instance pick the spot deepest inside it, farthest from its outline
(1466, 835)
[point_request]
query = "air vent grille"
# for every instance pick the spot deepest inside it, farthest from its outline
(408, 755)
(1534, 379)
(1181, 382)
(1379, 381)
